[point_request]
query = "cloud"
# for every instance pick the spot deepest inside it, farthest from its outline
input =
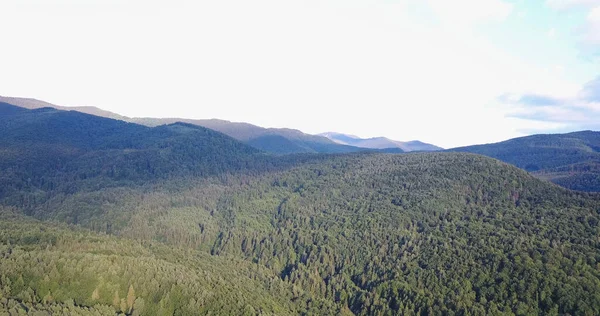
(316, 65)
(563, 114)
(539, 100)
(469, 12)
(591, 29)
(588, 32)
(580, 111)
(568, 4)
(530, 100)
(591, 91)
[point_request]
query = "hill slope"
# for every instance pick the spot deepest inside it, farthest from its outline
(379, 142)
(59, 270)
(571, 160)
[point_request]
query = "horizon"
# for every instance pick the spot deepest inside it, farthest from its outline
(316, 134)
(470, 72)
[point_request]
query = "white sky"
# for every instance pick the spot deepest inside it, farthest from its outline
(430, 70)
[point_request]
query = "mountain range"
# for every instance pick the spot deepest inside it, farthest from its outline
(273, 140)
(379, 142)
(571, 160)
(100, 216)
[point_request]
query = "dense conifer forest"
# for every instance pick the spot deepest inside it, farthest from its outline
(101, 217)
(570, 160)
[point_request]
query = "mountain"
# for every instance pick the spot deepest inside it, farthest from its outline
(33, 104)
(571, 160)
(100, 216)
(273, 140)
(47, 147)
(379, 142)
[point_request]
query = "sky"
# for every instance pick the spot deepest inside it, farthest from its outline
(451, 73)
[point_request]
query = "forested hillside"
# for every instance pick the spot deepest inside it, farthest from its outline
(47, 148)
(68, 271)
(100, 217)
(571, 160)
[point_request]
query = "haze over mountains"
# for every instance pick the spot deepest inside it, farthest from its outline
(570, 160)
(379, 142)
(274, 140)
(32, 104)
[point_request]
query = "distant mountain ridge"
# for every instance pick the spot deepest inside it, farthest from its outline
(273, 140)
(379, 142)
(32, 104)
(571, 160)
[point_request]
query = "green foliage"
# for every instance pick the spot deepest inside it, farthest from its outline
(77, 268)
(366, 234)
(178, 220)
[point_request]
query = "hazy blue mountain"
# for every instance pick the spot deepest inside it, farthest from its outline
(32, 104)
(571, 160)
(379, 142)
(273, 140)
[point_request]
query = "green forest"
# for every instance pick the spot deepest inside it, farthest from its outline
(102, 217)
(571, 160)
